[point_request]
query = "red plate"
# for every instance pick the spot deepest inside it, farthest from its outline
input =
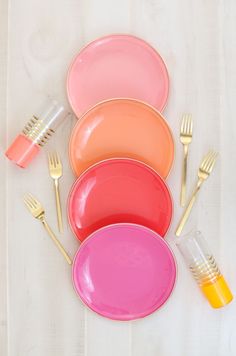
(119, 190)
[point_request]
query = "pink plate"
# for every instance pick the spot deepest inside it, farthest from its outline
(119, 190)
(117, 66)
(124, 271)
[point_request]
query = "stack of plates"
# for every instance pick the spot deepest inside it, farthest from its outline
(121, 150)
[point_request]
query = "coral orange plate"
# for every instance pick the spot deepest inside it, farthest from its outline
(122, 128)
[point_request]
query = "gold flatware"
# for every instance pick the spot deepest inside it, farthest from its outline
(204, 171)
(186, 133)
(55, 170)
(37, 210)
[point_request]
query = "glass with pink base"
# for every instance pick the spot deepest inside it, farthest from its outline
(36, 133)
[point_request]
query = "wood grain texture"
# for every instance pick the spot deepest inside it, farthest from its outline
(40, 313)
(3, 181)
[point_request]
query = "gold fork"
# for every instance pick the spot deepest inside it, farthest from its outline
(186, 133)
(37, 210)
(55, 170)
(204, 171)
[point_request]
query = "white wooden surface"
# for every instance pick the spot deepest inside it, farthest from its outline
(39, 311)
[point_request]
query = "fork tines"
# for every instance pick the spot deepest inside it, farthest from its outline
(208, 161)
(30, 201)
(54, 159)
(187, 124)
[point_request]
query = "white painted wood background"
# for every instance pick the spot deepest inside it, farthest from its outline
(39, 311)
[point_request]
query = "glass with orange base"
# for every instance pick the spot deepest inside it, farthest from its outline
(204, 269)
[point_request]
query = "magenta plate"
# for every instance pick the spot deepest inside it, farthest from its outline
(117, 66)
(124, 271)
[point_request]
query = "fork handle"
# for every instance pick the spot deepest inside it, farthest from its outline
(57, 242)
(58, 204)
(188, 209)
(184, 177)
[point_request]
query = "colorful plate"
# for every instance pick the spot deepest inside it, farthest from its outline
(124, 272)
(117, 66)
(122, 128)
(119, 190)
